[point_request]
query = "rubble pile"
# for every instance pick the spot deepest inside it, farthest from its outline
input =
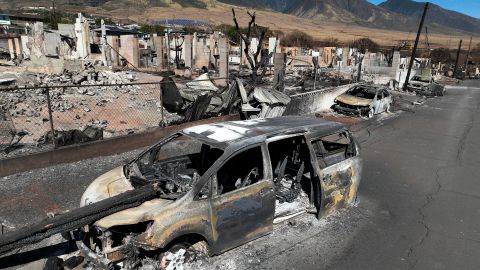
(29, 102)
(302, 81)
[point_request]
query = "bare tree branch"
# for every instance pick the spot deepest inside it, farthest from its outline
(253, 61)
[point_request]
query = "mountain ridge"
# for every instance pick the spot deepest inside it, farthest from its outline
(398, 15)
(394, 14)
(436, 14)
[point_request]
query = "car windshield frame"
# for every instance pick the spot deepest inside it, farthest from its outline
(366, 90)
(167, 140)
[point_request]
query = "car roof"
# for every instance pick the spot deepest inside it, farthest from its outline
(367, 88)
(223, 134)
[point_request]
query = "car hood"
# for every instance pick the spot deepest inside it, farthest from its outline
(148, 211)
(111, 184)
(355, 101)
(105, 186)
(418, 83)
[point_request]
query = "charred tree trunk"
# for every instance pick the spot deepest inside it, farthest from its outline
(255, 65)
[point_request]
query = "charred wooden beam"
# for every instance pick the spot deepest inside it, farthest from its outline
(455, 69)
(414, 51)
(77, 218)
(254, 62)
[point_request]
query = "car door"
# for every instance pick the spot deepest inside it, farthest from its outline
(388, 100)
(243, 204)
(338, 167)
(379, 102)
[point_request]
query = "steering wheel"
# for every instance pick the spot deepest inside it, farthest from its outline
(248, 179)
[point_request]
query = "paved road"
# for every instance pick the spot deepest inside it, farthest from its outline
(422, 174)
(419, 200)
(420, 193)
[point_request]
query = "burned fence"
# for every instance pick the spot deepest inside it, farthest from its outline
(76, 114)
(83, 113)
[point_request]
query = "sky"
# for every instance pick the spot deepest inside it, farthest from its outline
(469, 7)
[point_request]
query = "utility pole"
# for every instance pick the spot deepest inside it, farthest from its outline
(412, 59)
(359, 73)
(468, 56)
(54, 17)
(456, 60)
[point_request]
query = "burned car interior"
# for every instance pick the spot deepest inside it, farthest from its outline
(262, 177)
(363, 91)
(289, 158)
(363, 100)
(333, 149)
(175, 165)
(232, 176)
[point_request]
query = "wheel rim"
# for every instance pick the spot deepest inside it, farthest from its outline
(370, 113)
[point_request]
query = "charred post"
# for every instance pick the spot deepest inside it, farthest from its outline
(255, 64)
(414, 51)
(468, 56)
(455, 70)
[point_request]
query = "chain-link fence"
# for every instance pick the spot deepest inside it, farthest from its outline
(76, 114)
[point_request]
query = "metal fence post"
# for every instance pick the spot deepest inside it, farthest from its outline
(161, 105)
(50, 117)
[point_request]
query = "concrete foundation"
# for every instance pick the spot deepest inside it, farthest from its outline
(129, 50)
(11, 48)
(26, 44)
(345, 56)
(82, 33)
(223, 60)
(18, 47)
(279, 71)
(114, 42)
(188, 50)
(159, 46)
(395, 64)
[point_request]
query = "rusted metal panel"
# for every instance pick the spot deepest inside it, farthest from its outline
(335, 185)
(340, 183)
(243, 215)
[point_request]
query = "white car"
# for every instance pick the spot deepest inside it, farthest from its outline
(364, 100)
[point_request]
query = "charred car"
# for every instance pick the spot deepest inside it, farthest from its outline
(425, 87)
(224, 184)
(364, 100)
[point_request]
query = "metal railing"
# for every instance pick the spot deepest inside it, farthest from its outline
(75, 114)
(37, 118)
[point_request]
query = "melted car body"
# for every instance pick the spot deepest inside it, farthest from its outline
(225, 184)
(425, 87)
(364, 100)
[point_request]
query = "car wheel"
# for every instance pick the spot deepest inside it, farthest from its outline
(174, 255)
(370, 113)
(183, 251)
(202, 246)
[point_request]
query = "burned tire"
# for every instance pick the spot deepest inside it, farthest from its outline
(389, 106)
(183, 250)
(370, 113)
(202, 246)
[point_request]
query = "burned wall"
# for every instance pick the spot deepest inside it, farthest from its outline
(315, 101)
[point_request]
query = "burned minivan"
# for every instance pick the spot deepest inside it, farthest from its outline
(364, 100)
(224, 184)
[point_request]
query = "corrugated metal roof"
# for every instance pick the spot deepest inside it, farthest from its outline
(270, 96)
